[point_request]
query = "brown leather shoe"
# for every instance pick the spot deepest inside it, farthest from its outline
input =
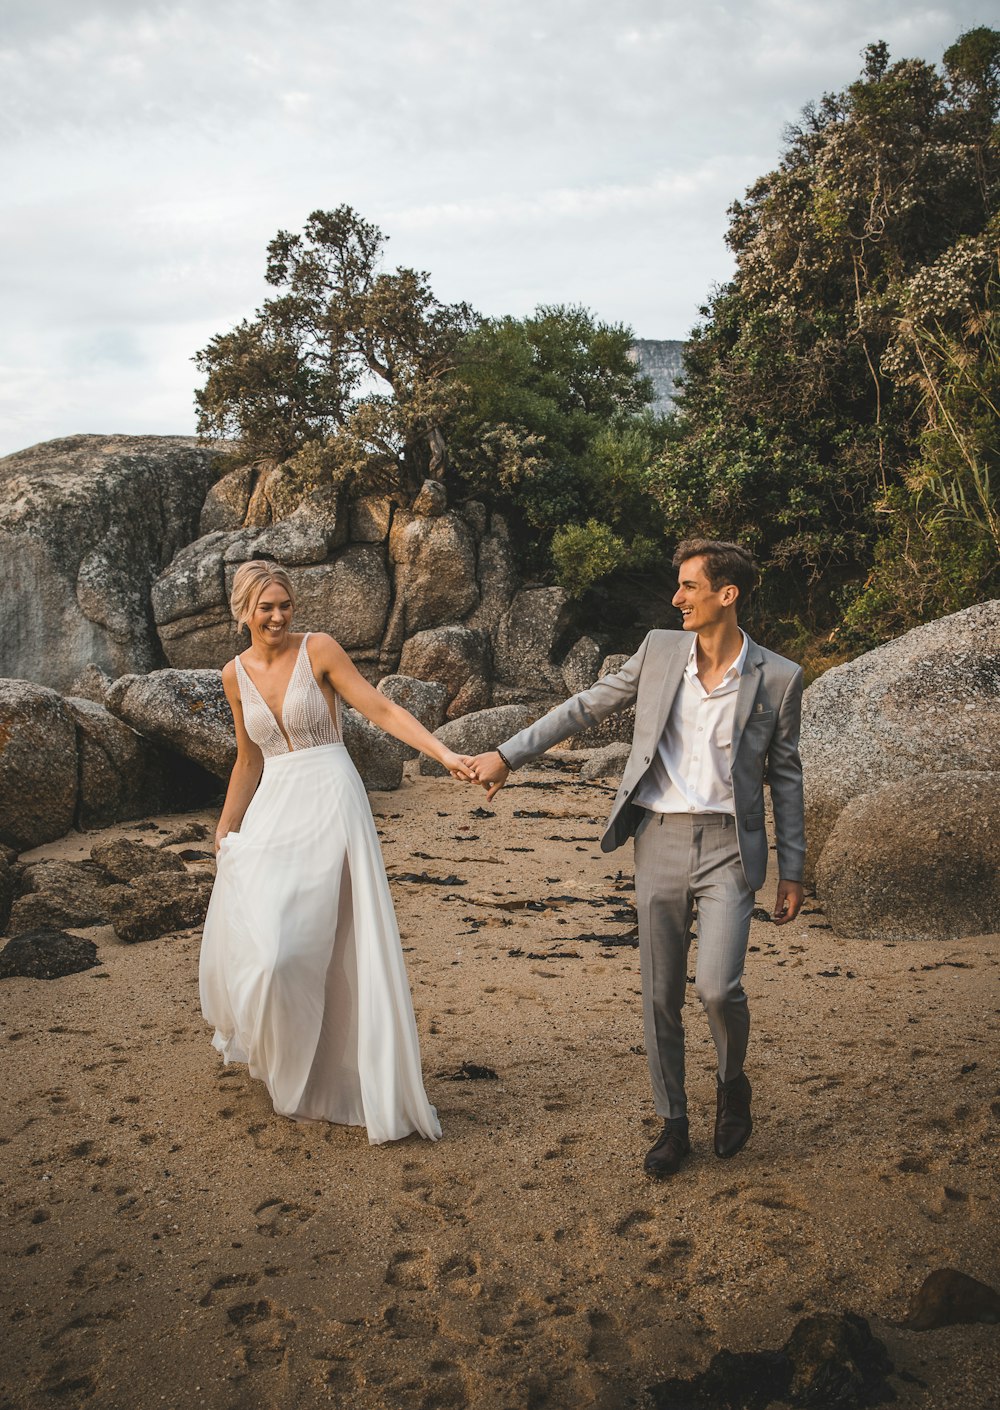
(733, 1123)
(664, 1159)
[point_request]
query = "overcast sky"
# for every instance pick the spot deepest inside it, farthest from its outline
(521, 151)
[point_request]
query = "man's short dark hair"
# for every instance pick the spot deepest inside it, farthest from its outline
(725, 563)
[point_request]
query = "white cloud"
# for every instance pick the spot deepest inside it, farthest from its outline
(536, 150)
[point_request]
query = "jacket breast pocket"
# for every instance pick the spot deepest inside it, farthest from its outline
(760, 717)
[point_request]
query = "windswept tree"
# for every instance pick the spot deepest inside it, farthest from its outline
(796, 433)
(346, 372)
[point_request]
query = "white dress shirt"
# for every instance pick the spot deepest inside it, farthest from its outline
(690, 772)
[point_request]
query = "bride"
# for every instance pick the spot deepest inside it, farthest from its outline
(302, 970)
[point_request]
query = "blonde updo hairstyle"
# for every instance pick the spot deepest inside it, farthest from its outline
(250, 581)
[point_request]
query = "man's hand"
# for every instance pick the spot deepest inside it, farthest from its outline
(788, 902)
(491, 771)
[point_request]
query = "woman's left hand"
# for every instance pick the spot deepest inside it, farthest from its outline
(458, 765)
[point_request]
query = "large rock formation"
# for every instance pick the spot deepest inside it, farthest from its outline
(186, 711)
(916, 860)
(926, 703)
(86, 523)
(38, 771)
(69, 762)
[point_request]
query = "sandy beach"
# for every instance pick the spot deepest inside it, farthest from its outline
(169, 1241)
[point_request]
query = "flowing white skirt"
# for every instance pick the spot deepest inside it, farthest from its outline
(302, 971)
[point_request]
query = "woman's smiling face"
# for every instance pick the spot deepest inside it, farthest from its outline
(272, 615)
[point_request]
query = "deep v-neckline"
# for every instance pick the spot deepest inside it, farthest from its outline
(279, 718)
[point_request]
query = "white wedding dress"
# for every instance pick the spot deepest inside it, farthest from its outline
(302, 971)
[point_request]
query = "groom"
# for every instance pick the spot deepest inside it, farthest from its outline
(712, 711)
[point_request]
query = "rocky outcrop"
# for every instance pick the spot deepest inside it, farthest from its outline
(617, 728)
(478, 732)
(425, 700)
(86, 523)
(527, 646)
(608, 762)
(434, 561)
(457, 657)
(348, 597)
(38, 768)
(377, 756)
(186, 711)
(125, 861)
(917, 860)
(70, 763)
(8, 887)
(928, 702)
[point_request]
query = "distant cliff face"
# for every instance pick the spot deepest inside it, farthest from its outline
(661, 360)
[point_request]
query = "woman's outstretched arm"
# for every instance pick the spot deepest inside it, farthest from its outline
(345, 678)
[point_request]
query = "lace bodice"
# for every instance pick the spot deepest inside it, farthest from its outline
(305, 714)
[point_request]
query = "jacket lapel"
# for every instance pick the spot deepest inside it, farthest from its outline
(673, 674)
(746, 693)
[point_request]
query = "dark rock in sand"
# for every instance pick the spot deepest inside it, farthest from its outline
(837, 1364)
(916, 860)
(160, 904)
(126, 861)
(46, 954)
(186, 711)
(947, 1298)
(828, 1363)
(38, 772)
(475, 733)
(55, 894)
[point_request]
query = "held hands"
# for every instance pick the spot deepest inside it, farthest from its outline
(490, 771)
(788, 902)
(459, 765)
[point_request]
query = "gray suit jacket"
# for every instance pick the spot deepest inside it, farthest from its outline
(765, 731)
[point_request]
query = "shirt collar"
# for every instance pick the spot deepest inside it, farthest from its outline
(736, 669)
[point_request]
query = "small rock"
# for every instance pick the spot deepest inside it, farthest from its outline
(187, 832)
(46, 954)
(160, 904)
(55, 894)
(608, 762)
(126, 861)
(947, 1297)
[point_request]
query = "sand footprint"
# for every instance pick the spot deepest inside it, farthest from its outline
(262, 1329)
(280, 1217)
(410, 1269)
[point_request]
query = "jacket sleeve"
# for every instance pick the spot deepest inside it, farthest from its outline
(581, 711)
(784, 773)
